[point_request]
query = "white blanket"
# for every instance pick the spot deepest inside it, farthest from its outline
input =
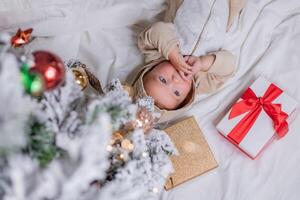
(201, 19)
(266, 38)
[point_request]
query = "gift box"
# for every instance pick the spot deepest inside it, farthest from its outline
(262, 113)
(195, 156)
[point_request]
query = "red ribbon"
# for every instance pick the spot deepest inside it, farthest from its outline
(254, 105)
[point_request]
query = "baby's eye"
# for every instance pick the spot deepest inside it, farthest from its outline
(177, 93)
(162, 79)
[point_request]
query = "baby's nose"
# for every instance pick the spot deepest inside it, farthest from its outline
(176, 78)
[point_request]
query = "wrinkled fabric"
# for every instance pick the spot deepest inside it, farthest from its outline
(265, 37)
(205, 19)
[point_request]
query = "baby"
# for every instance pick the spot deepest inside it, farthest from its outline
(172, 79)
(169, 84)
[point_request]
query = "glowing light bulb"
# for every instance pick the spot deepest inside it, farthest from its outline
(144, 154)
(122, 156)
(109, 148)
(139, 123)
(155, 190)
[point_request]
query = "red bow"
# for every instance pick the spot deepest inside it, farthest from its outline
(254, 105)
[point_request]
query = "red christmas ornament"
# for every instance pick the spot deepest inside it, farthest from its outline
(50, 67)
(21, 37)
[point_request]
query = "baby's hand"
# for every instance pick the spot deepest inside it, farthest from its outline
(179, 63)
(202, 63)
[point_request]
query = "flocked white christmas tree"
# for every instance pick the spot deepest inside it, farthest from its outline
(64, 146)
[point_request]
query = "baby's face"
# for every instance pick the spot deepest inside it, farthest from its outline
(164, 84)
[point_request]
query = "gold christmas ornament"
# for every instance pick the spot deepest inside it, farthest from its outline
(117, 136)
(94, 82)
(128, 88)
(80, 77)
(83, 76)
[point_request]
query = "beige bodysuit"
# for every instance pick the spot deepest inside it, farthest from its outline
(156, 41)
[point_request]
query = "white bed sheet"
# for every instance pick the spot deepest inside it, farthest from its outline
(266, 39)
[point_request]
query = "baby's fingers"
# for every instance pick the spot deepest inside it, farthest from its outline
(193, 60)
(186, 66)
(186, 70)
(189, 76)
(183, 75)
(186, 58)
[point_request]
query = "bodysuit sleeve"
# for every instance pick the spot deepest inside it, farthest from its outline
(157, 40)
(222, 69)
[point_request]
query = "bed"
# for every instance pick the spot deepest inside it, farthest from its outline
(266, 39)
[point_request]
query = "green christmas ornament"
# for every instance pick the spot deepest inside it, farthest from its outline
(32, 82)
